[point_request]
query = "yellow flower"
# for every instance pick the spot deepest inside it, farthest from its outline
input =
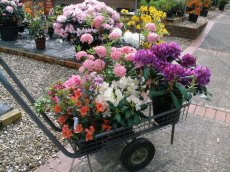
(124, 11)
(138, 27)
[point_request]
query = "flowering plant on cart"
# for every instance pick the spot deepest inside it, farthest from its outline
(171, 79)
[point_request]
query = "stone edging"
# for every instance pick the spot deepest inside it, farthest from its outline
(40, 57)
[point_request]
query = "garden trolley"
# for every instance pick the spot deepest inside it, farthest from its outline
(138, 152)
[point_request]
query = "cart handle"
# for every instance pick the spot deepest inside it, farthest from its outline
(34, 117)
(26, 93)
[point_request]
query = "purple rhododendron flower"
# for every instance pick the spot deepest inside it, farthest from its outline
(98, 80)
(167, 51)
(188, 60)
(144, 57)
(203, 74)
(172, 71)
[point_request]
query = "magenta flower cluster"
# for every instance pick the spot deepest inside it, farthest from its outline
(161, 56)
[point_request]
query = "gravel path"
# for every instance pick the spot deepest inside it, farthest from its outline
(183, 42)
(23, 146)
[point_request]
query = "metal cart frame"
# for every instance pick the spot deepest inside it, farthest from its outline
(42, 126)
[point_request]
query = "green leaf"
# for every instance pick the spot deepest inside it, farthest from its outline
(183, 90)
(175, 100)
(154, 93)
(127, 114)
(111, 106)
(122, 122)
(143, 107)
(130, 122)
(136, 119)
(114, 124)
(146, 73)
(118, 117)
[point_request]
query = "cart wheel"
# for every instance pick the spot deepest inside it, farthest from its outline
(138, 154)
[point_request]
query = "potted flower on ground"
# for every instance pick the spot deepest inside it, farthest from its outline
(222, 4)
(205, 7)
(37, 30)
(193, 8)
(11, 13)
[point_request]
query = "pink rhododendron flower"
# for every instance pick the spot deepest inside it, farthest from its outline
(86, 38)
(80, 54)
(89, 65)
(130, 56)
(74, 80)
(10, 9)
(152, 37)
(114, 36)
(116, 55)
(119, 70)
(81, 69)
(127, 50)
(91, 57)
(69, 28)
(97, 22)
(151, 27)
(99, 65)
(100, 51)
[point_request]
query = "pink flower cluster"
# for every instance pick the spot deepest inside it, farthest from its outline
(126, 51)
(151, 27)
(93, 65)
(119, 70)
(100, 51)
(74, 80)
(80, 15)
(151, 37)
(86, 38)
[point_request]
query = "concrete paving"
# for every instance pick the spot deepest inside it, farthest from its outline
(215, 53)
(200, 145)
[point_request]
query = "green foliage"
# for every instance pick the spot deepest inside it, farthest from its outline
(37, 27)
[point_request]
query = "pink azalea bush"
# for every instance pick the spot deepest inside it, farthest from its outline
(90, 17)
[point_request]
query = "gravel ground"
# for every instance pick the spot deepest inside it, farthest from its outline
(183, 42)
(23, 146)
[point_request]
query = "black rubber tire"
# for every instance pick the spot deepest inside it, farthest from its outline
(131, 148)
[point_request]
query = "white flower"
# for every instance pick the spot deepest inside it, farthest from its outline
(119, 95)
(103, 87)
(133, 38)
(118, 31)
(61, 18)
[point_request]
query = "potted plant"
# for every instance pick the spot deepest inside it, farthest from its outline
(166, 6)
(179, 8)
(37, 30)
(193, 8)
(205, 7)
(11, 13)
(222, 4)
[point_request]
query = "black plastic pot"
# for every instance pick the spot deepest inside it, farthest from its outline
(193, 18)
(204, 13)
(40, 43)
(169, 14)
(160, 107)
(21, 28)
(221, 7)
(50, 32)
(9, 33)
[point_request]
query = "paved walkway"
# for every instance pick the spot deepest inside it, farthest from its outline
(202, 143)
